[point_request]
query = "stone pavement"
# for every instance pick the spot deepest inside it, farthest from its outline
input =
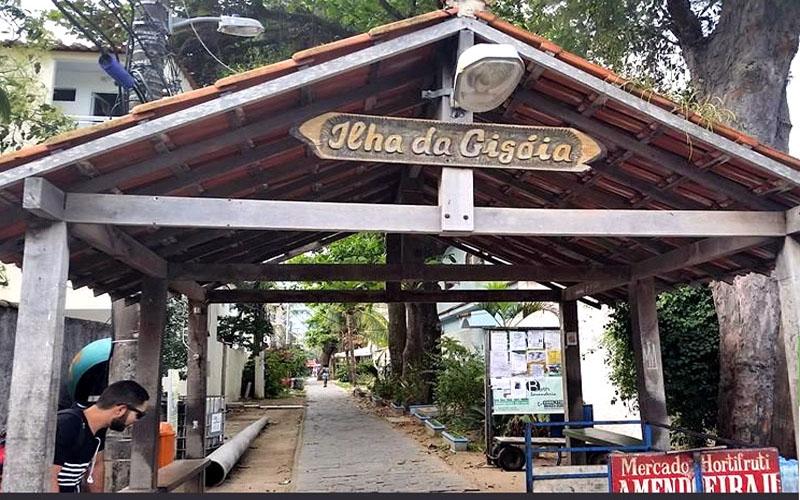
(345, 449)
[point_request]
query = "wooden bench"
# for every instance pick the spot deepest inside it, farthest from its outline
(602, 437)
(190, 473)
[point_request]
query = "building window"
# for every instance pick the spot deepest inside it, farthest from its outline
(106, 104)
(64, 95)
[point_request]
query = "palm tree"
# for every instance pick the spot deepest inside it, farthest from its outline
(506, 312)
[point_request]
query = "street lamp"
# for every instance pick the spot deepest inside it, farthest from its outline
(486, 75)
(229, 25)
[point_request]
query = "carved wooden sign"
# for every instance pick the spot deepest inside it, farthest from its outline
(341, 136)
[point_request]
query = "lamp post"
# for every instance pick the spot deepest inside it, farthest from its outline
(153, 25)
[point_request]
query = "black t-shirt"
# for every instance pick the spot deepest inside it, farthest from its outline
(76, 449)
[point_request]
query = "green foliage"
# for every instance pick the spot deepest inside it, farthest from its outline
(689, 332)
(29, 119)
(459, 389)
(506, 312)
(628, 36)
(173, 343)
(280, 364)
(240, 329)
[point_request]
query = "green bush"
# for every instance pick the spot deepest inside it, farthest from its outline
(280, 364)
(687, 323)
(459, 392)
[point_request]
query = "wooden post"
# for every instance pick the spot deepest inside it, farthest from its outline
(122, 366)
(144, 465)
(196, 381)
(787, 273)
(36, 376)
(647, 353)
(488, 420)
(573, 393)
(397, 310)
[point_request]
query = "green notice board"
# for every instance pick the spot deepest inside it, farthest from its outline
(526, 371)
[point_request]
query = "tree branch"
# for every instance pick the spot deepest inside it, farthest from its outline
(391, 10)
(685, 25)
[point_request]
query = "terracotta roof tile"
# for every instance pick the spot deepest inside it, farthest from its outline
(398, 28)
(180, 101)
(332, 50)
(256, 76)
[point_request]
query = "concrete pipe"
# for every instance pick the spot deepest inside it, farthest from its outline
(227, 455)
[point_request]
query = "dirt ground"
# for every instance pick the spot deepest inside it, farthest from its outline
(267, 465)
(470, 464)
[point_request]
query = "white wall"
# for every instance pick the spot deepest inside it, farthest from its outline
(80, 303)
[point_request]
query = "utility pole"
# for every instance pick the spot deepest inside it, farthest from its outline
(150, 26)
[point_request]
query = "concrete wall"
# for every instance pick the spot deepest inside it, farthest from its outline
(234, 366)
(77, 333)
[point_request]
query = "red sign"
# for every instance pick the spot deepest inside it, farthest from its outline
(651, 473)
(721, 471)
(741, 471)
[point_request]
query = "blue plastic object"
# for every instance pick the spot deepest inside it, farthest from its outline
(93, 354)
(116, 71)
(788, 475)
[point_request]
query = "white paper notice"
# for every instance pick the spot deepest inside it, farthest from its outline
(499, 341)
(519, 341)
(499, 365)
(536, 370)
(518, 388)
(535, 339)
(519, 363)
(501, 383)
(552, 340)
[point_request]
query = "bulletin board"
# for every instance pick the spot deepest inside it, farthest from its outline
(526, 371)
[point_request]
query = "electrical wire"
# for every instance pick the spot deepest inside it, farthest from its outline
(91, 23)
(197, 35)
(78, 25)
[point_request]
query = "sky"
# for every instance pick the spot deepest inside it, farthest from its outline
(793, 91)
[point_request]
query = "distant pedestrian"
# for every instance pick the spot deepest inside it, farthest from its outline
(326, 374)
(80, 436)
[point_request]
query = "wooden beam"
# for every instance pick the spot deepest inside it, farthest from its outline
(456, 197)
(793, 220)
(680, 258)
(115, 243)
(192, 291)
(647, 355)
(573, 389)
(36, 372)
(43, 199)
(121, 366)
(673, 162)
(392, 272)
(216, 213)
(637, 104)
(787, 274)
(229, 102)
(196, 381)
(144, 453)
(378, 296)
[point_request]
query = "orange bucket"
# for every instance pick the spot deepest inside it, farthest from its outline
(166, 444)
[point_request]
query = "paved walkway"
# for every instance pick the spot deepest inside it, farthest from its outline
(345, 449)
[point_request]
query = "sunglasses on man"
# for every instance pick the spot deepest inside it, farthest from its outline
(139, 413)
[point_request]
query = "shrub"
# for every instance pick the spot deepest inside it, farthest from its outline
(280, 364)
(460, 381)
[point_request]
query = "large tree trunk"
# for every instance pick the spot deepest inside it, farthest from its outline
(745, 63)
(397, 310)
